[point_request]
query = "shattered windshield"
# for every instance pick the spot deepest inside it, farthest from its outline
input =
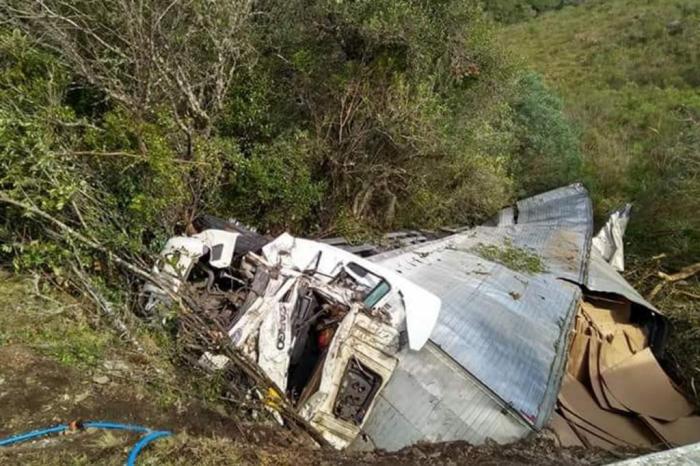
(371, 286)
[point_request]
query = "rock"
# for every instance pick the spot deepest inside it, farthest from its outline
(119, 366)
(101, 379)
(675, 27)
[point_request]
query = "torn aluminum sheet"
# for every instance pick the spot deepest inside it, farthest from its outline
(603, 277)
(609, 240)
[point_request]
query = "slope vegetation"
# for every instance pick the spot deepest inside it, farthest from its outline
(629, 73)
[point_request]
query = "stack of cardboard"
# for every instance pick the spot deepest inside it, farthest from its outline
(615, 393)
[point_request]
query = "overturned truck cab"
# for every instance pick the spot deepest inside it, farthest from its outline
(323, 324)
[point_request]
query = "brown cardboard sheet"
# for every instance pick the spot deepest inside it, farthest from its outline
(578, 357)
(565, 433)
(585, 429)
(621, 309)
(614, 351)
(636, 337)
(590, 439)
(594, 372)
(606, 315)
(575, 398)
(683, 431)
(640, 384)
(612, 401)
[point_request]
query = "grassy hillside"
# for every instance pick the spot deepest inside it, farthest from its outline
(629, 74)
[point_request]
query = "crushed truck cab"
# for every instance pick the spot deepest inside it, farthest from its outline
(323, 324)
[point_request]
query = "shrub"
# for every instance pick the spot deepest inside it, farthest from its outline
(547, 143)
(274, 189)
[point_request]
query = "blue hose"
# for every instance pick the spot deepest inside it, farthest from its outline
(116, 426)
(150, 436)
(32, 435)
(141, 444)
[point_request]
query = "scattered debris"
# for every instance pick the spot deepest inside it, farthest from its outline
(683, 274)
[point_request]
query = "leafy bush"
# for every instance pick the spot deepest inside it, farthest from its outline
(310, 116)
(117, 179)
(548, 144)
(392, 94)
(274, 188)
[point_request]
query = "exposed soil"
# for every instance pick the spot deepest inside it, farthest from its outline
(36, 391)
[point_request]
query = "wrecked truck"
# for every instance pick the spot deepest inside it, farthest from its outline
(323, 324)
(518, 326)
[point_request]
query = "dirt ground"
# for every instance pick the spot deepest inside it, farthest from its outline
(36, 391)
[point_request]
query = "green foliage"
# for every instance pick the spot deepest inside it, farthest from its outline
(628, 73)
(513, 257)
(548, 145)
(351, 117)
(391, 94)
(274, 187)
(119, 180)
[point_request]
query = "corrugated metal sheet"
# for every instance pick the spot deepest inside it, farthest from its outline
(568, 207)
(431, 398)
(494, 362)
(603, 277)
(506, 330)
(504, 327)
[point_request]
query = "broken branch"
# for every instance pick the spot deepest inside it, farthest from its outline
(684, 273)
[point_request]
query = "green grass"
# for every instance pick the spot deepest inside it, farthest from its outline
(629, 74)
(49, 322)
